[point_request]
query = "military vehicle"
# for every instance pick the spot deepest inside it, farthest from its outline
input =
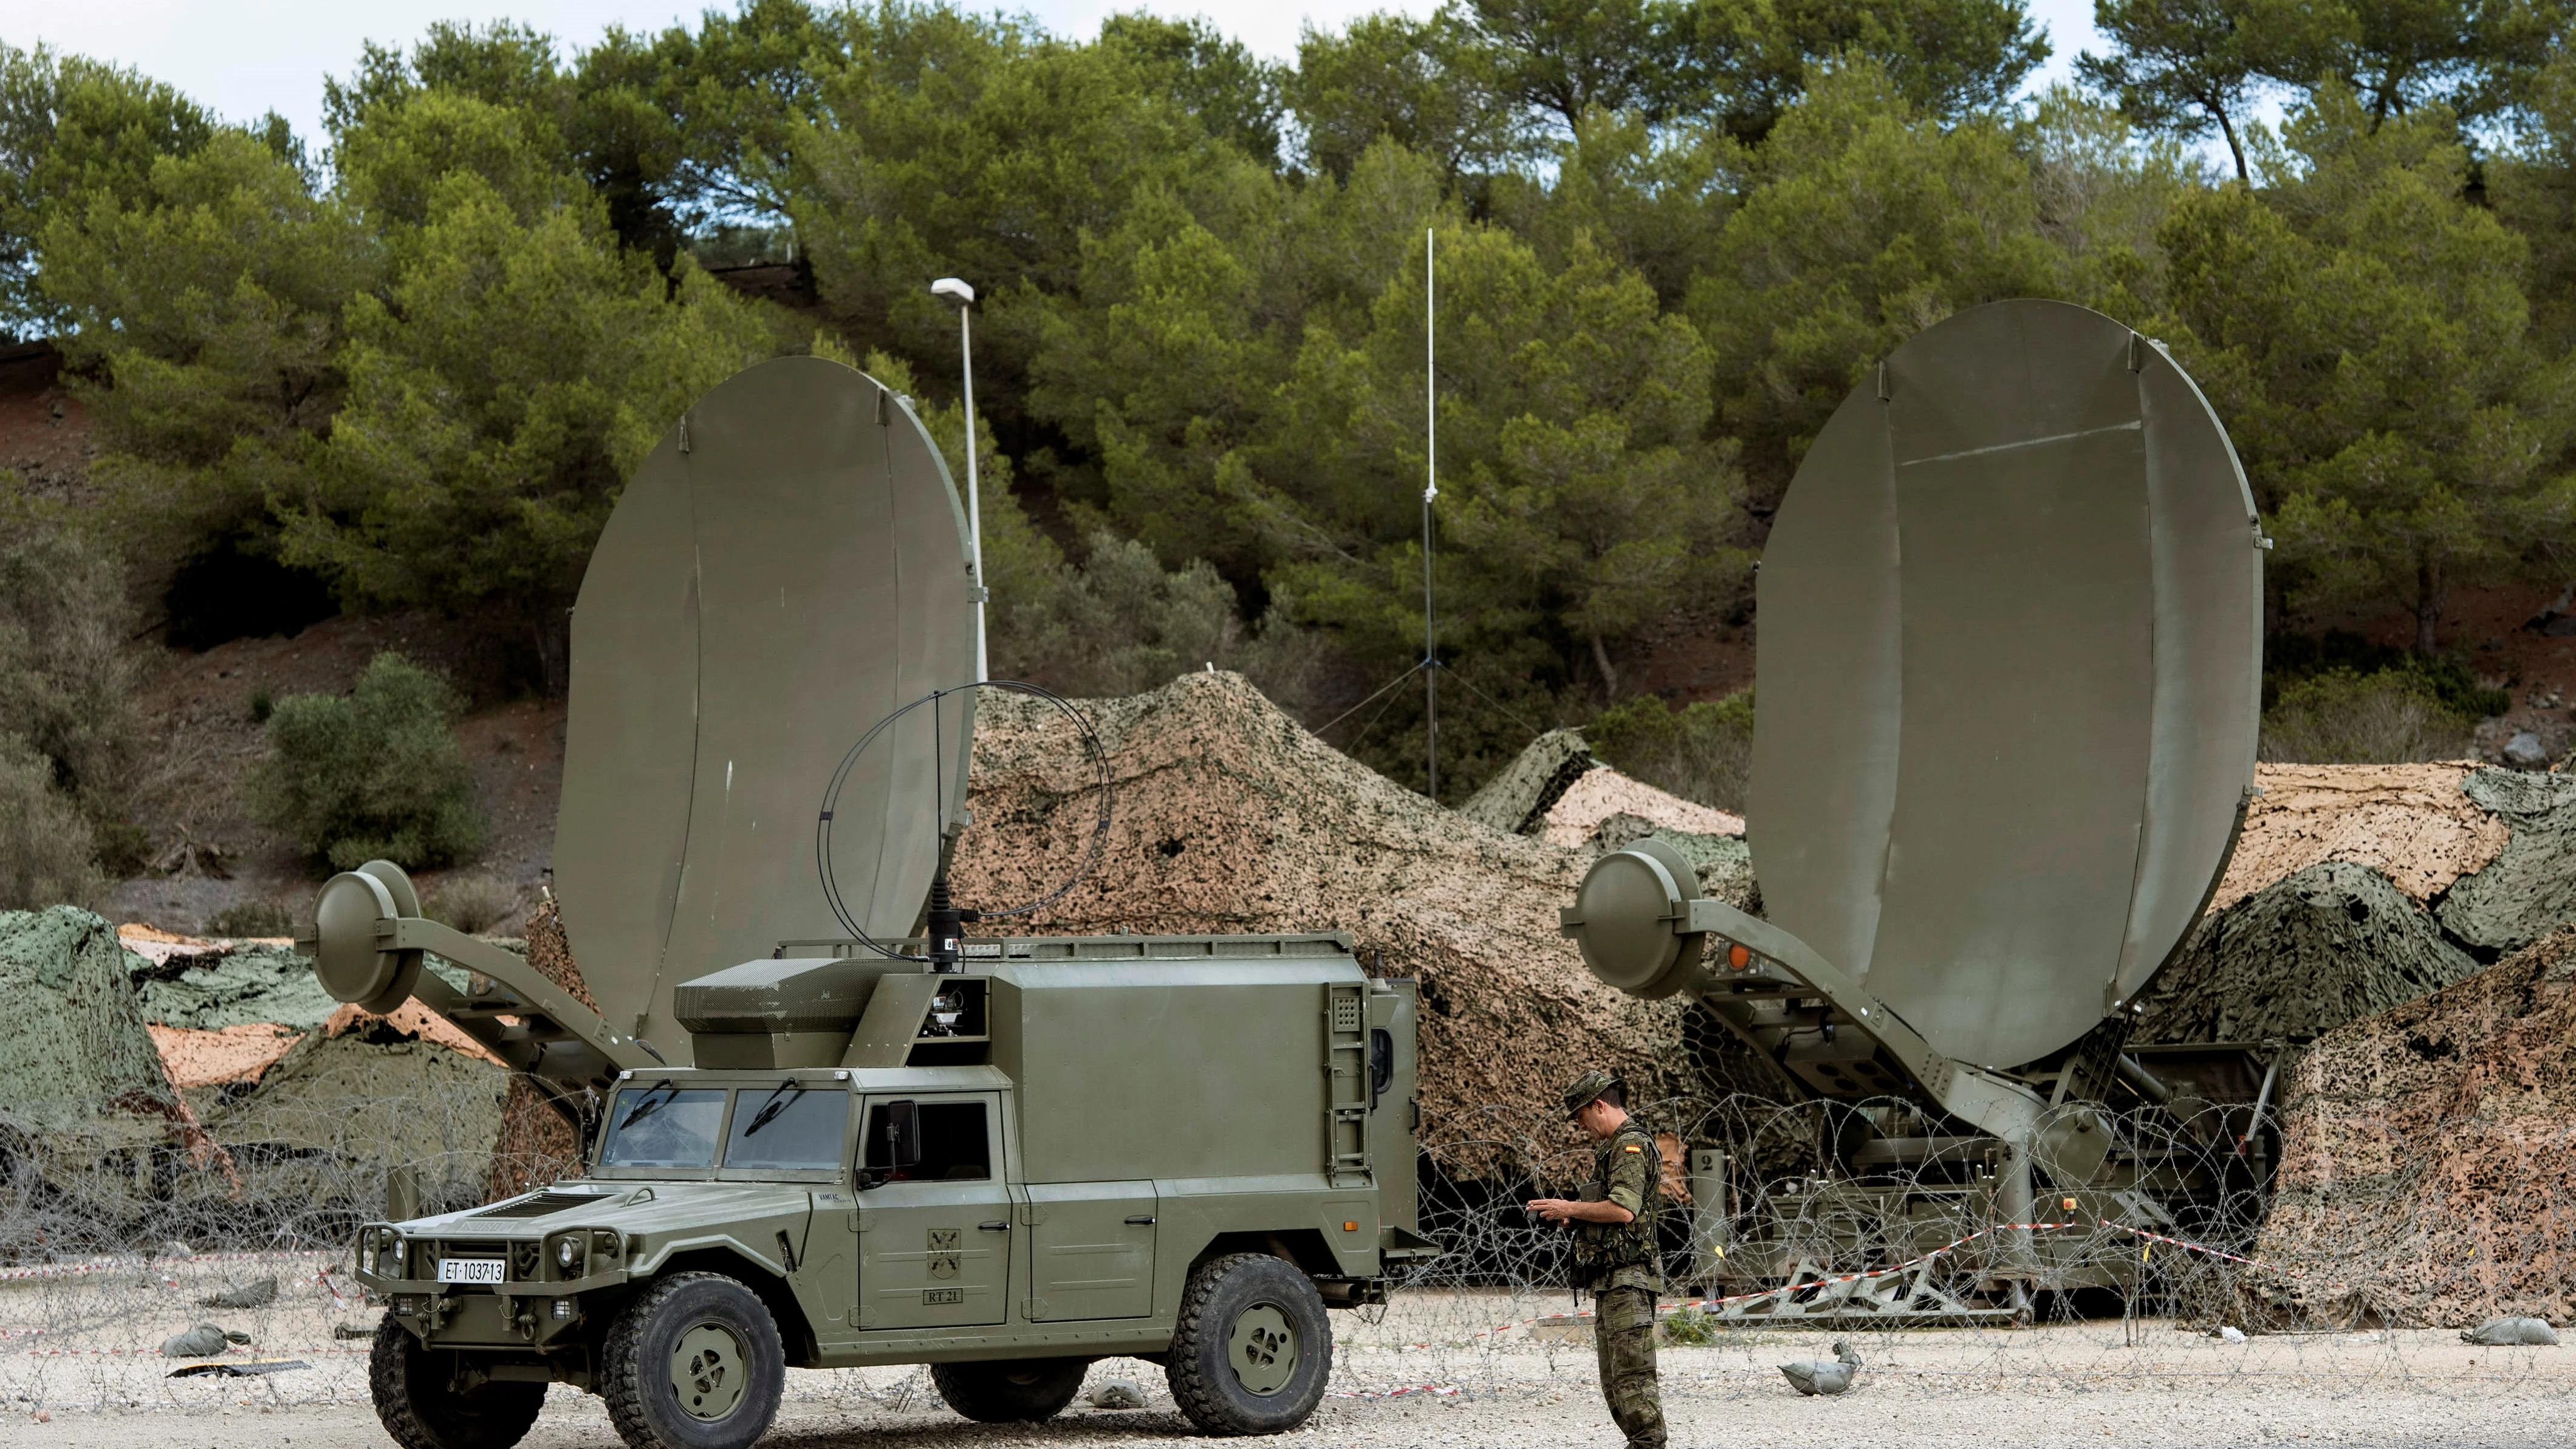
(2010, 679)
(823, 1126)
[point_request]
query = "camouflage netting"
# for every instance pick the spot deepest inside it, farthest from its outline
(208, 986)
(1724, 862)
(76, 1035)
(1517, 799)
(2411, 823)
(2331, 944)
(535, 1143)
(356, 1094)
(1232, 818)
(2530, 889)
(2443, 1135)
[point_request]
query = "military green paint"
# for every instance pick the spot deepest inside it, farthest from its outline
(756, 602)
(1132, 1116)
(2009, 685)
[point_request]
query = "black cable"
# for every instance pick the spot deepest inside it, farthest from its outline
(1097, 753)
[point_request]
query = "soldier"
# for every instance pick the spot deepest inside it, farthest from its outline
(1615, 1254)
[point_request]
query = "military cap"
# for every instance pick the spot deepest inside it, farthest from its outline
(1580, 1092)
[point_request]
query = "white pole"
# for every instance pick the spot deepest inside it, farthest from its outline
(974, 506)
(1430, 490)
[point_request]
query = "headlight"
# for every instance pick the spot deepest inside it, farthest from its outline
(568, 1254)
(402, 1252)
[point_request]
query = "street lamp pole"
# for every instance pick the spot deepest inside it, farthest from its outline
(961, 296)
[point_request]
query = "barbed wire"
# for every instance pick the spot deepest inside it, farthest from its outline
(112, 1239)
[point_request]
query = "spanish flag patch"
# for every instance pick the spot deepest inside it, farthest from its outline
(1633, 1147)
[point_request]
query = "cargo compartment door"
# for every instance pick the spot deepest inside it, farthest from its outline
(1093, 1250)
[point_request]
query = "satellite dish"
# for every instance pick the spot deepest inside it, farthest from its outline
(788, 567)
(2010, 677)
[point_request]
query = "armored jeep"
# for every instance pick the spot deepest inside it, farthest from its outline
(819, 1126)
(1181, 1149)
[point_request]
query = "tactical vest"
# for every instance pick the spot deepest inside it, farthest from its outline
(1601, 1249)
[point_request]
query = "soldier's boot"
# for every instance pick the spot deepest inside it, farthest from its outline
(1624, 1334)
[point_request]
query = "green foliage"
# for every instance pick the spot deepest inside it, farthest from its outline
(246, 919)
(1425, 85)
(45, 840)
(2367, 338)
(1861, 226)
(1702, 751)
(514, 368)
(1747, 61)
(2342, 717)
(1691, 1328)
(67, 682)
(1117, 622)
(209, 300)
(474, 902)
(374, 774)
(2289, 659)
(71, 128)
(1672, 234)
(2197, 65)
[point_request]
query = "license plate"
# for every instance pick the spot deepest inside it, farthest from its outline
(472, 1270)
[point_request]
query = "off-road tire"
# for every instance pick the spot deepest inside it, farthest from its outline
(1254, 1292)
(636, 1364)
(1010, 1390)
(420, 1411)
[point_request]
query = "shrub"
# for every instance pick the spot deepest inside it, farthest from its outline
(45, 841)
(375, 775)
(2346, 717)
(67, 676)
(2289, 659)
(474, 903)
(251, 918)
(1691, 1328)
(1703, 752)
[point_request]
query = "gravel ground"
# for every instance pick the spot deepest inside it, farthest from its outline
(1443, 1368)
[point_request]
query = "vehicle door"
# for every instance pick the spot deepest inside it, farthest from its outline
(934, 1215)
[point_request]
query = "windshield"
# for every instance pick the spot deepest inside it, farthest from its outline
(788, 1126)
(662, 1126)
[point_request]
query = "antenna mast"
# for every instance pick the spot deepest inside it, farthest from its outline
(1430, 490)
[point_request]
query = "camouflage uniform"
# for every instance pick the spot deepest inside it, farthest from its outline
(1621, 1266)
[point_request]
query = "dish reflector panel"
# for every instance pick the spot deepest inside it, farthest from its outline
(2009, 681)
(787, 567)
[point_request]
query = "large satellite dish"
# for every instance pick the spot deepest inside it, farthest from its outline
(2009, 678)
(788, 567)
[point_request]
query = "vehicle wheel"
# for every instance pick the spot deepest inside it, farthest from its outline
(1252, 1349)
(420, 1408)
(1010, 1390)
(693, 1364)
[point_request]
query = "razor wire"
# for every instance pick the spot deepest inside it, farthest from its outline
(113, 1239)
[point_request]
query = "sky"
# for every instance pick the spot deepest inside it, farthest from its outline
(248, 57)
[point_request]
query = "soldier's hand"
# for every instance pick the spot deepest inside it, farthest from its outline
(1552, 1209)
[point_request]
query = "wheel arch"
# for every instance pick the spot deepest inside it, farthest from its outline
(1304, 1248)
(795, 1333)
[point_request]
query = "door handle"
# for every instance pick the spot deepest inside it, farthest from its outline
(1141, 1220)
(1002, 1227)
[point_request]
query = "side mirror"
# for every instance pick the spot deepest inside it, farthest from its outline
(903, 1135)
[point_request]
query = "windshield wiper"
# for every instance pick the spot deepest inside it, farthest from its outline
(770, 1109)
(648, 1106)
